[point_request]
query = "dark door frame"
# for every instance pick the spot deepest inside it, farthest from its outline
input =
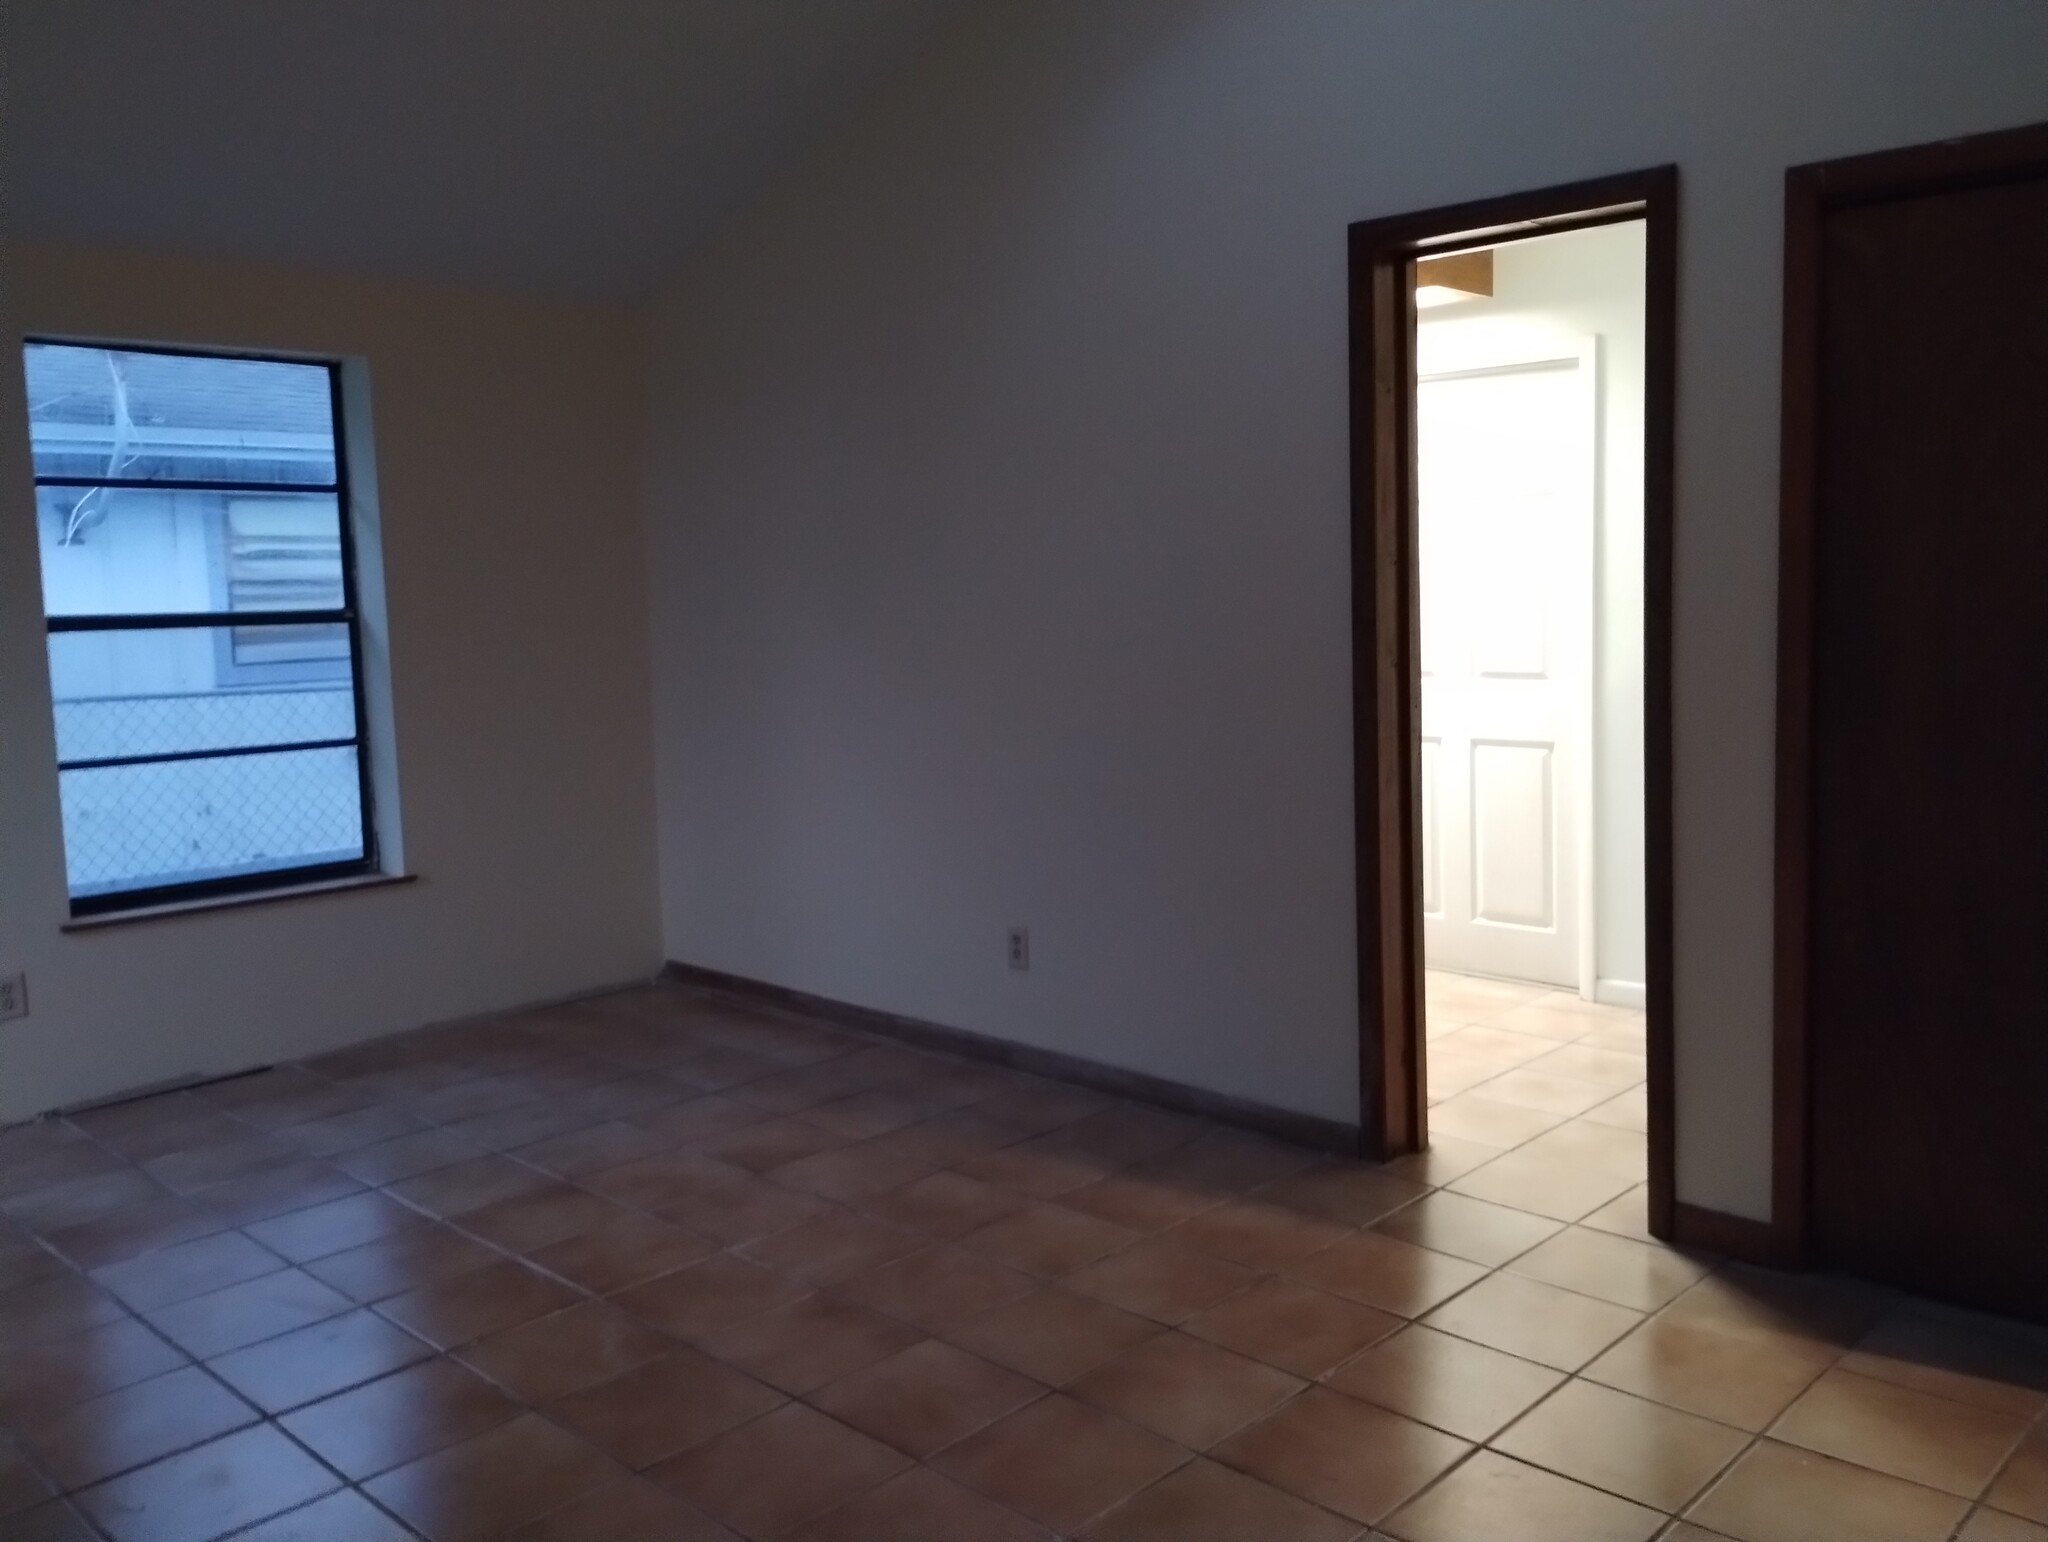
(1384, 647)
(1811, 192)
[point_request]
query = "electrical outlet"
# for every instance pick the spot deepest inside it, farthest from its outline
(1020, 947)
(13, 995)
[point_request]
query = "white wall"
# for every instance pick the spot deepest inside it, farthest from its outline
(1001, 511)
(1551, 292)
(508, 466)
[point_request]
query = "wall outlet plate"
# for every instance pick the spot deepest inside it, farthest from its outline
(13, 994)
(1020, 947)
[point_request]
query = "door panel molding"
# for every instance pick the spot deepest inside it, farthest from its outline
(1812, 193)
(1386, 643)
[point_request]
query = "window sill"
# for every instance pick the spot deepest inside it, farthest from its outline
(236, 901)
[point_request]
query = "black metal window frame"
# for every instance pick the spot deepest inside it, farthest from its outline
(348, 615)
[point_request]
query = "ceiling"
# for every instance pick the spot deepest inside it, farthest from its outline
(557, 146)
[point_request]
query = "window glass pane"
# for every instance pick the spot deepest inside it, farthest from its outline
(110, 551)
(116, 413)
(123, 693)
(143, 827)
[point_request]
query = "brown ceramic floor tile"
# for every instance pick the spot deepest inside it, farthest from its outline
(1189, 1391)
(622, 1251)
(1593, 1263)
(1967, 1362)
(1448, 1157)
(451, 1192)
(1293, 1327)
(351, 1131)
(79, 1200)
(925, 1397)
(632, 1511)
(1387, 1273)
(535, 1221)
(1468, 1228)
(456, 1311)
(344, 1516)
(248, 1313)
(399, 1418)
(937, 1286)
(128, 1234)
(665, 1407)
(274, 1191)
(1050, 1335)
(1641, 1451)
(142, 1423)
(492, 1482)
(833, 1246)
(1742, 1379)
(1988, 1525)
(807, 1343)
(706, 1296)
(1162, 1279)
(1539, 1322)
(20, 1484)
(206, 1492)
(853, 1172)
(945, 1204)
(1588, 1143)
(52, 1308)
(747, 1210)
(423, 1255)
(1544, 1185)
(591, 1149)
(1740, 1299)
(335, 1227)
(408, 1156)
(1447, 1382)
(311, 1363)
(1203, 1502)
(566, 1351)
(1347, 1193)
(189, 1269)
(55, 1521)
(1928, 1440)
(920, 1504)
(1255, 1234)
(1140, 1203)
(1049, 1240)
(200, 1167)
(1061, 1462)
(771, 1144)
(1509, 1110)
(1496, 1499)
(1341, 1454)
(41, 1377)
(1224, 1162)
(785, 1468)
(2022, 1489)
(1777, 1493)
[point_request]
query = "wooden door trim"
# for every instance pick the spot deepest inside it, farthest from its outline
(1811, 192)
(1384, 637)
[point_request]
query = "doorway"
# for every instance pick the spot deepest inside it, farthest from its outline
(1512, 375)
(1912, 985)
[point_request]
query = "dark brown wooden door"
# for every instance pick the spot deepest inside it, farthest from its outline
(1928, 953)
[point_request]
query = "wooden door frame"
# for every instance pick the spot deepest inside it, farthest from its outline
(1385, 645)
(1811, 193)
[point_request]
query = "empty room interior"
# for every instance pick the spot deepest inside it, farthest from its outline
(1135, 770)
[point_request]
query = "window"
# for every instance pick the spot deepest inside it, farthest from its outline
(199, 585)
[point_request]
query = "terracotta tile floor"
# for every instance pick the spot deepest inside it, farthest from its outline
(659, 1266)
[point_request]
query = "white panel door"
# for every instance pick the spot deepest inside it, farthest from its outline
(1505, 504)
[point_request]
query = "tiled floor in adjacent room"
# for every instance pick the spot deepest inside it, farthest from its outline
(659, 1267)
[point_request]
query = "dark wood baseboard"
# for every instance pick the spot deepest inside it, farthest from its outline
(1732, 1236)
(1262, 1118)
